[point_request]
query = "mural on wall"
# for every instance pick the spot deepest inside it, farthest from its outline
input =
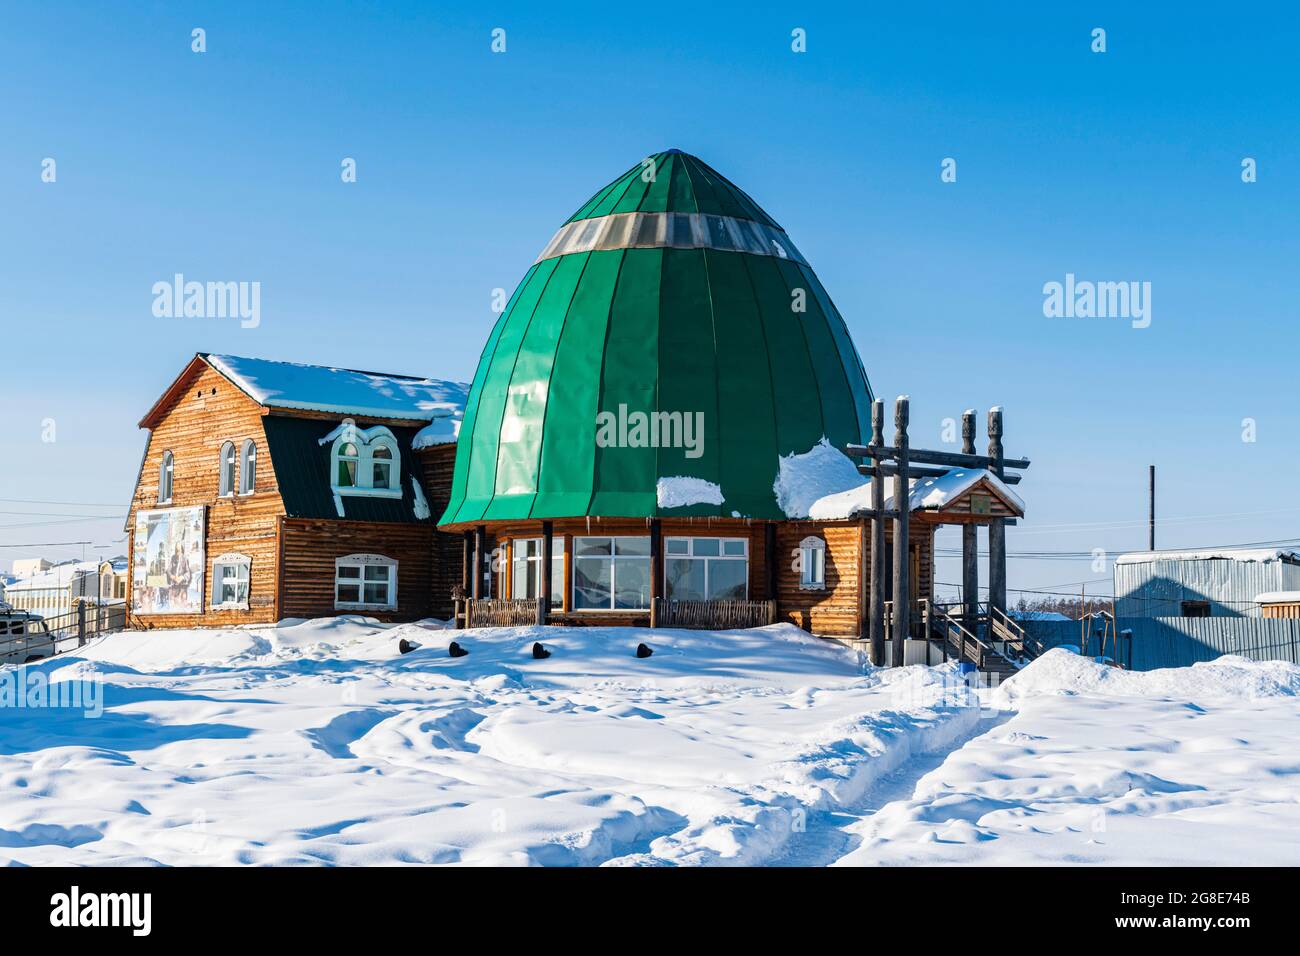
(168, 562)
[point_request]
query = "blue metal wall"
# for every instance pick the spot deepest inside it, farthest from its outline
(1158, 588)
(1182, 641)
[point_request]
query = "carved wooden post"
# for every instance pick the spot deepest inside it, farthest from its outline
(970, 569)
(902, 556)
(544, 585)
(476, 582)
(997, 528)
(876, 594)
(656, 569)
(466, 578)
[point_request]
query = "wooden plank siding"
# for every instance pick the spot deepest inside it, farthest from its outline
(438, 462)
(310, 546)
(203, 414)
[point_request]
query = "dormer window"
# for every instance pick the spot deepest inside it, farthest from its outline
(364, 461)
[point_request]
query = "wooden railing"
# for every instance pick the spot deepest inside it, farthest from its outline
(715, 615)
(498, 612)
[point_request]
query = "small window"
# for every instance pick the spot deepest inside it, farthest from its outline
(230, 580)
(365, 581)
(165, 479)
(226, 484)
(381, 459)
(347, 465)
(1196, 609)
(812, 563)
(248, 467)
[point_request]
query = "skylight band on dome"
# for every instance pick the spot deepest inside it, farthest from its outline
(675, 230)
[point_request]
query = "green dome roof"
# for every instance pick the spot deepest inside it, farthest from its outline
(670, 330)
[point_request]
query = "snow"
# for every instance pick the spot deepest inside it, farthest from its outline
(421, 506)
(1228, 554)
(1278, 597)
(444, 430)
(680, 491)
(316, 742)
(803, 479)
(1094, 765)
(341, 391)
(59, 576)
(1039, 616)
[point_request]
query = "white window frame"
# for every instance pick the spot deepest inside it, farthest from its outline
(248, 467)
(226, 470)
(166, 477)
(614, 558)
(533, 564)
(362, 562)
(690, 555)
(366, 440)
(243, 563)
(812, 564)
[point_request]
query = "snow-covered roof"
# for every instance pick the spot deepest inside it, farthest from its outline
(681, 491)
(59, 576)
(340, 390)
(824, 484)
(1278, 597)
(1227, 554)
(443, 430)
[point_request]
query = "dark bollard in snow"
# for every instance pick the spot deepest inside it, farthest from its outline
(643, 651)
(405, 647)
(540, 653)
(455, 650)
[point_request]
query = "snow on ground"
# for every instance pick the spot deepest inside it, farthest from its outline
(316, 742)
(1184, 766)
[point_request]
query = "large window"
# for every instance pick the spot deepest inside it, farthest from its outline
(611, 573)
(226, 483)
(526, 575)
(812, 564)
(165, 473)
(364, 461)
(706, 569)
(248, 467)
(230, 576)
(364, 581)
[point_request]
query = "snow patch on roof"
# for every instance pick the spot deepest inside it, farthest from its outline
(681, 491)
(441, 431)
(823, 471)
(1227, 554)
(339, 390)
(421, 506)
(1278, 597)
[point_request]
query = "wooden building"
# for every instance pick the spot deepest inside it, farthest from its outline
(659, 428)
(270, 490)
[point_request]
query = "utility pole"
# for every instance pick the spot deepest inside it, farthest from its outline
(1151, 512)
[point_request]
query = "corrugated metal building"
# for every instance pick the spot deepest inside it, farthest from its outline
(1209, 583)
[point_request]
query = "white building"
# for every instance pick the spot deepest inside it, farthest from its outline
(53, 592)
(30, 567)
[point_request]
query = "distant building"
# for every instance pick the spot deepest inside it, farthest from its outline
(30, 567)
(1208, 583)
(113, 575)
(55, 591)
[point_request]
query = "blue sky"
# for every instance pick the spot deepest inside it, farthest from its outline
(1117, 166)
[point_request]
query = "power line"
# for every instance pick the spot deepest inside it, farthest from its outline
(67, 504)
(46, 544)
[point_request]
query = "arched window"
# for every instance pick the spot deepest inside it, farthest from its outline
(812, 561)
(226, 484)
(364, 461)
(248, 467)
(165, 479)
(346, 458)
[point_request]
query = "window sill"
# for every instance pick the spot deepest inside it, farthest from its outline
(364, 607)
(813, 587)
(353, 490)
(228, 607)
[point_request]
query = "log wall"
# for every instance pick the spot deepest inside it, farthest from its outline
(438, 462)
(200, 419)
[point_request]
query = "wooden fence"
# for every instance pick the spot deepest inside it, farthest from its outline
(499, 612)
(715, 615)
